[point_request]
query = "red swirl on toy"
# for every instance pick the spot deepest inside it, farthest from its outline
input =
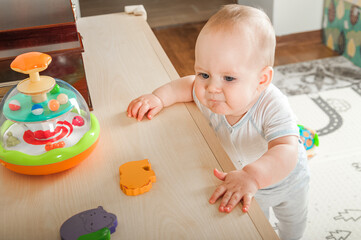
(40, 137)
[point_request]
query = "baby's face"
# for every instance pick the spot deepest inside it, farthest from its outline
(227, 78)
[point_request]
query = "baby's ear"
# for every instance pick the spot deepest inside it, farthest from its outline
(265, 78)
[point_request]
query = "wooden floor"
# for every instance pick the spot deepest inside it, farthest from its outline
(177, 23)
(179, 41)
(159, 12)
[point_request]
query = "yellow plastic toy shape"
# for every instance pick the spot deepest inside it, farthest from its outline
(136, 177)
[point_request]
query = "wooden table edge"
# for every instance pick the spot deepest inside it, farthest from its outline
(255, 212)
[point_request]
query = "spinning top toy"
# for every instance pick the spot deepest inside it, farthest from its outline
(37, 134)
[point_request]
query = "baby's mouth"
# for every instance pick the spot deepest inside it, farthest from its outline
(215, 100)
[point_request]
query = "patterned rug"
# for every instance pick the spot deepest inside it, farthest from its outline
(325, 95)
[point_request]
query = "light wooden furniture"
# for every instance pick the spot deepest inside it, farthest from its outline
(41, 26)
(123, 60)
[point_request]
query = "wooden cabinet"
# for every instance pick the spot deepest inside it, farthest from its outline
(43, 26)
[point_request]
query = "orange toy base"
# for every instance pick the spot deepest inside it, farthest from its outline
(136, 177)
(50, 168)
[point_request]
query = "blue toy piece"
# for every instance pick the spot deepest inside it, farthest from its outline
(37, 109)
(309, 139)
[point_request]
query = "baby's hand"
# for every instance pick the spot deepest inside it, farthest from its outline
(148, 104)
(236, 185)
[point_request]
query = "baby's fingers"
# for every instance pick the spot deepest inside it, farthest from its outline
(235, 199)
(153, 112)
(225, 201)
(134, 109)
(247, 199)
(220, 190)
(142, 110)
(131, 107)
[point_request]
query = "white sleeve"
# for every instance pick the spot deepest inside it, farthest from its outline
(278, 117)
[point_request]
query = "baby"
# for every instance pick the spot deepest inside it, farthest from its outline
(234, 55)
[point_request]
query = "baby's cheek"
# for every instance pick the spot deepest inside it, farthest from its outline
(199, 90)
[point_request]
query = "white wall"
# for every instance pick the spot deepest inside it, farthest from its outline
(265, 5)
(291, 16)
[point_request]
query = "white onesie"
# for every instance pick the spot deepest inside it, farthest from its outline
(246, 141)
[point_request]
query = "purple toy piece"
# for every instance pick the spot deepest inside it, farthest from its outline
(87, 222)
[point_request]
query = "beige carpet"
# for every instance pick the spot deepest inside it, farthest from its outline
(326, 96)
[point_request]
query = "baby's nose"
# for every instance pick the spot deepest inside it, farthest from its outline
(214, 86)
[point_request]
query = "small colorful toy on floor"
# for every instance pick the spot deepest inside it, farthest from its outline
(93, 224)
(45, 124)
(136, 177)
(310, 140)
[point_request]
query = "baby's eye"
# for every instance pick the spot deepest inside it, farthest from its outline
(204, 75)
(228, 78)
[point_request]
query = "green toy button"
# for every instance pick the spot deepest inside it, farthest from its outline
(55, 89)
(102, 234)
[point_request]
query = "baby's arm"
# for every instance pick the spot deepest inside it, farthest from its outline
(277, 163)
(272, 167)
(179, 90)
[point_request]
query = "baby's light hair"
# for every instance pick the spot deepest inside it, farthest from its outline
(254, 21)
